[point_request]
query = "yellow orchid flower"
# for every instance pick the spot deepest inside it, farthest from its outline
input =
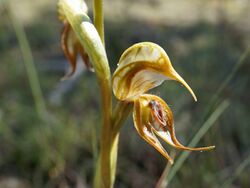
(141, 68)
(70, 44)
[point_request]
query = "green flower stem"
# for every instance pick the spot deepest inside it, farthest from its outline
(119, 116)
(98, 18)
(92, 43)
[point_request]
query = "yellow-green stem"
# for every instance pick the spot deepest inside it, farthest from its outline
(107, 160)
(98, 18)
(92, 42)
(105, 145)
(105, 172)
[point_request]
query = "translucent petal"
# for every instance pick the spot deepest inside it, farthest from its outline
(172, 140)
(162, 123)
(152, 116)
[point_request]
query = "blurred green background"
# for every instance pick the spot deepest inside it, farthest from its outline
(207, 43)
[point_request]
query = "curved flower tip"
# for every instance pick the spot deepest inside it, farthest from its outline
(142, 67)
(152, 116)
(70, 44)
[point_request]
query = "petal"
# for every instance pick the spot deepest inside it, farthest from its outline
(85, 58)
(162, 123)
(70, 44)
(145, 131)
(142, 67)
(69, 49)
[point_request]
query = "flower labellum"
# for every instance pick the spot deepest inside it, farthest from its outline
(152, 116)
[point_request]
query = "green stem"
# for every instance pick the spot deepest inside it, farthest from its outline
(98, 18)
(29, 64)
(106, 143)
(119, 116)
(105, 171)
(92, 44)
(109, 136)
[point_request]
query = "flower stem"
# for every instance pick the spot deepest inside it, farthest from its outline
(106, 164)
(92, 43)
(105, 172)
(92, 39)
(98, 18)
(109, 133)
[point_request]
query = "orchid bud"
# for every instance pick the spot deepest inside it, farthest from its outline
(142, 67)
(70, 44)
(89, 42)
(152, 116)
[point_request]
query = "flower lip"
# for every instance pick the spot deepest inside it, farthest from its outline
(162, 123)
(140, 116)
(152, 116)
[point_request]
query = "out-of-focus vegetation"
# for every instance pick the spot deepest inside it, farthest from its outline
(204, 40)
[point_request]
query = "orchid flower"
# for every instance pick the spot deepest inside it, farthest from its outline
(142, 67)
(70, 44)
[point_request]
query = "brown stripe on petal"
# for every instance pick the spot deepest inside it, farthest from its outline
(124, 78)
(158, 113)
(66, 44)
(148, 51)
(85, 58)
